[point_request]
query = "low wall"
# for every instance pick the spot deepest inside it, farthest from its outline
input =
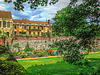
(34, 42)
(37, 42)
(97, 43)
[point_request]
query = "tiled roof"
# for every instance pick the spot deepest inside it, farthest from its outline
(28, 21)
(5, 14)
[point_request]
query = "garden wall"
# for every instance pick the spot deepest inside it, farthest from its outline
(97, 43)
(37, 42)
(34, 42)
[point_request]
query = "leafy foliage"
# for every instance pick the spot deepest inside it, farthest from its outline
(8, 64)
(11, 67)
(70, 48)
(44, 35)
(33, 3)
(48, 34)
(27, 48)
(72, 21)
(7, 45)
(40, 53)
(17, 46)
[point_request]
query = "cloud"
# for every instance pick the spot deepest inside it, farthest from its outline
(3, 6)
(49, 11)
(40, 14)
(1, 0)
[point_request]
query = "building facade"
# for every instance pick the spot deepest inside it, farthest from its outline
(24, 26)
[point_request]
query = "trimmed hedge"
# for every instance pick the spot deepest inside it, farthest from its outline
(8, 64)
(11, 68)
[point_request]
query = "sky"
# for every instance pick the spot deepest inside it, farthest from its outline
(40, 14)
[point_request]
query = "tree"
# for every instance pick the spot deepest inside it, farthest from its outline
(48, 34)
(27, 44)
(27, 48)
(3, 36)
(33, 3)
(17, 46)
(71, 48)
(7, 45)
(44, 34)
(72, 20)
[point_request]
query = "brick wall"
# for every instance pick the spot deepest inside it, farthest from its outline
(36, 42)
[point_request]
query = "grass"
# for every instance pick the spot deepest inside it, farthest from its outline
(29, 62)
(56, 66)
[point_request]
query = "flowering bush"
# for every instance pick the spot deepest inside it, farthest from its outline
(40, 53)
(23, 54)
(51, 52)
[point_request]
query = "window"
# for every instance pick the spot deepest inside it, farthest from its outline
(34, 33)
(19, 32)
(8, 24)
(42, 28)
(24, 27)
(4, 24)
(15, 33)
(34, 27)
(42, 33)
(29, 32)
(23, 32)
(15, 27)
(0, 24)
(29, 27)
(38, 33)
(38, 27)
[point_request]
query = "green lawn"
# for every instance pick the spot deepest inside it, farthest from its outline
(56, 66)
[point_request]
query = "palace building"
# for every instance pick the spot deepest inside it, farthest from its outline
(17, 27)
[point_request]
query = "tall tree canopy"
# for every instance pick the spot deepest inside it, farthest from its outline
(33, 3)
(72, 20)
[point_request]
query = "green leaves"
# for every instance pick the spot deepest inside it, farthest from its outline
(33, 3)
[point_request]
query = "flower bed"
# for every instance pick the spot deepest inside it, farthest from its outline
(34, 53)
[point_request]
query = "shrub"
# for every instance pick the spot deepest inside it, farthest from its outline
(82, 62)
(51, 52)
(17, 46)
(16, 53)
(28, 49)
(70, 48)
(23, 32)
(23, 54)
(74, 56)
(7, 45)
(11, 68)
(40, 53)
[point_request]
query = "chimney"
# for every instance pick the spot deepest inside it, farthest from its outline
(24, 19)
(48, 21)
